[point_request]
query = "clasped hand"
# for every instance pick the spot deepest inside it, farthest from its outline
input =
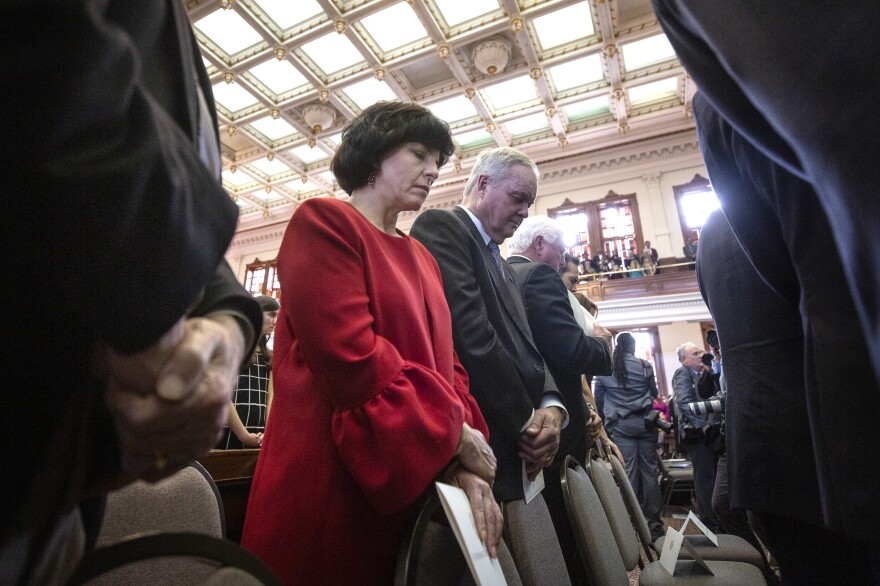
(539, 443)
(169, 402)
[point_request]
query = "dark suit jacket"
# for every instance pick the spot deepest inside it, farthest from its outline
(763, 203)
(116, 231)
(567, 351)
(491, 335)
(767, 430)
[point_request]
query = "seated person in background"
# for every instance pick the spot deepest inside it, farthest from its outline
(625, 399)
(690, 250)
(635, 269)
(253, 393)
(371, 403)
(649, 268)
(616, 272)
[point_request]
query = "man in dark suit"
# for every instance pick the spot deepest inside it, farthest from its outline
(693, 428)
(813, 126)
(537, 252)
(515, 391)
(127, 325)
(755, 193)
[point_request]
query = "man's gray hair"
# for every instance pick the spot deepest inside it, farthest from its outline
(530, 229)
(682, 350)
(495, 162)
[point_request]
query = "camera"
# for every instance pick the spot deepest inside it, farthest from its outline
(713, 405)
(712, 338)
(653, 421)
(707, 359)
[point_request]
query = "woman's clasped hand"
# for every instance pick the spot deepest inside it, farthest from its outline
(473, 471)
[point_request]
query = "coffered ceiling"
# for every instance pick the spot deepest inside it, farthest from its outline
(582, 75)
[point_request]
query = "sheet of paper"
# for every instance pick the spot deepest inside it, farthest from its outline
(696, 557)
(485, 570)
(531, 488)
(671, 547)
(701, 526)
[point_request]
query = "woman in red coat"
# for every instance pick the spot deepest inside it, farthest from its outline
(371, 404)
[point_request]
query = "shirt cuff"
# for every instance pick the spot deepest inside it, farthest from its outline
(552, 400)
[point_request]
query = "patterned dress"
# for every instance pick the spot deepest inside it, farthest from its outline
(250, 399)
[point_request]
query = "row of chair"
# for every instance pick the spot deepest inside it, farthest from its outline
(608, 525)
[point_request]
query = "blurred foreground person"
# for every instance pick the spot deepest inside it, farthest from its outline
(371, 404)
(116, 240)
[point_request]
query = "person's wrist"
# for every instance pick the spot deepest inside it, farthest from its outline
(461, 440)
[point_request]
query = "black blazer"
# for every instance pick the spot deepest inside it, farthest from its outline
(116, 230)
(568, 352)
(491, 333)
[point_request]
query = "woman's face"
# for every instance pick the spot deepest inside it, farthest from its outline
(269, 319)
(406, 175)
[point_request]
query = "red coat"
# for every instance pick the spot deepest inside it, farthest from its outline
(369, 400)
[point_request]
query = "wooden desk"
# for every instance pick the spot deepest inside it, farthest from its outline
(233, 472)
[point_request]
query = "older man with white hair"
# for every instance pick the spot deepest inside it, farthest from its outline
(537, 252)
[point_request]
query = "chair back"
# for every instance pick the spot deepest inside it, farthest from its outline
(595, 539)
(229, 563)
(632, 506)
(430, 555)
(529, 532)
(187, 501)
(615, 511)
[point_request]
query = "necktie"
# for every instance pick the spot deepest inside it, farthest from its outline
(496, 255)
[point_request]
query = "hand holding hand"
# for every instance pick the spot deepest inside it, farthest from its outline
(475, 454)
(487, 513)
(600, 332)
(540, 441)
(169, 402)
(594, 426)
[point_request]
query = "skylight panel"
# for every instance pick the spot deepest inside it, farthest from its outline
(564, 25)
(287, 13)
(511, 92)
(332, 52)
(647, 52)
(366, 93)
(233, 97)
(456, 12)
(266, 197)
(394, 27)
(473, 138)
(576, 73)
(279, 76)
(587, 108)
(328, 176)
(205, 61)
(308, 155)
(238, 178)
(273, 129)
(270, 168)
(650, 92)
(228, 31)
(453, 109)
(527, 124)
(300, 187)
(242, 204)
(335, 138)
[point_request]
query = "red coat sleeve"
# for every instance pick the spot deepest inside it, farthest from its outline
(395, 423)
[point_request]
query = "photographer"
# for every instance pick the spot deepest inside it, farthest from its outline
(693, 428)
(625, 400)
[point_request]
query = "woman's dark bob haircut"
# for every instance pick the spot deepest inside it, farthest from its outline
(380, 129)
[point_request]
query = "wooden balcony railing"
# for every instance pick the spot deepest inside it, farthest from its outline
(671, 278)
